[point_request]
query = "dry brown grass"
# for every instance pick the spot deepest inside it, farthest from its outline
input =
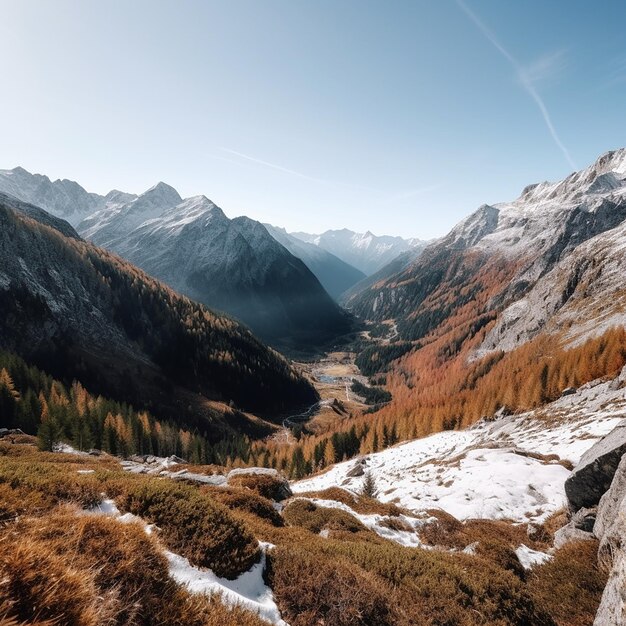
(360, 504)
(38, 585)
(449, 532)
(313, 589)
(435, 588)
(557, 520)
(245, 500)
(90, 570)
(115, 575)
(306, 514)
(570, 586)
(265, 485)
(194, 525)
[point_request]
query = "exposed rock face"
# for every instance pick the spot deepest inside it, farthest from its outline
(578, 528)
(358, 469)
(611, 501)
(610, 529)
(593, 475)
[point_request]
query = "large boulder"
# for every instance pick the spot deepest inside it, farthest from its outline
(612, 553)
(611, 502)
(593, 475)
(610, 529)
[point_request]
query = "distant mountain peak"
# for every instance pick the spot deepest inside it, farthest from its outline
(365, 251)
(163, 192)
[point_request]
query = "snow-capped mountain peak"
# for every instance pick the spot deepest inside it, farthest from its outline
(365, 251)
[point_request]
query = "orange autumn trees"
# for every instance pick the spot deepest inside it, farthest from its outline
(433, 392)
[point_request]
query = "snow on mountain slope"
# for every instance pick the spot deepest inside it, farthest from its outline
(365, 251)
(335, 275)
(533, 221)
(582, 296)
(528, 258)
(231, 265)
(63, 198)
(121, 215)
(500, 469)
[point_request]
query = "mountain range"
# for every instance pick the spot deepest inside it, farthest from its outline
(336, 275)
(231, 265)
(80, 312)
(549, 260)
(365, 251)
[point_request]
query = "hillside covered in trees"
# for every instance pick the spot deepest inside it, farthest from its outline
(80, 313)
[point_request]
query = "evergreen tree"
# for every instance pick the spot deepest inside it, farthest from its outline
(369, 486)
(48, 435)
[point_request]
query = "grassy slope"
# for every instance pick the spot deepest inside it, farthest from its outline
(106, 570)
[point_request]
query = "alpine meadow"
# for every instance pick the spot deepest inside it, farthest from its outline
(326, 325)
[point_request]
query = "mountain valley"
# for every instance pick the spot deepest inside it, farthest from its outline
(438, 426)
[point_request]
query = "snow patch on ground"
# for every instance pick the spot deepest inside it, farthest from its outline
(376, 522)
(490, 470)
(248, 591)
(529, 557)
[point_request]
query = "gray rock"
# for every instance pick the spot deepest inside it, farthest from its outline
(611, 502)
(593, 475)
(612, 553)
(619, 381)
(568, 533)
(568, 391)
(503, 411)
(584, 519)
(622, 376)
(358, 469)
(615, 384)
(612, 609)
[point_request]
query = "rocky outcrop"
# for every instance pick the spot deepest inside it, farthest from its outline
(600, 479)
(579, 528)
(610, 529)
(594, 474)
(611, 502)
(358, 469)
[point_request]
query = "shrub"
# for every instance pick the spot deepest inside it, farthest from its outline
(38, 585)
(266, 485)
(122, 557)
(193, 525)
(360, 504)
(247, 501)
(569, 586)
(436, 588)
(91, 569)
(56, 483)
(312, 589)
(307, 514)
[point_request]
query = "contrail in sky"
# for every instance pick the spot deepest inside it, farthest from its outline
(526, 82)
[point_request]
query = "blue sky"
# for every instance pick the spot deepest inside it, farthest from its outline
(400, 117)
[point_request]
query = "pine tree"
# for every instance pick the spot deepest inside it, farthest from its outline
(48, 435)
(369, 486)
